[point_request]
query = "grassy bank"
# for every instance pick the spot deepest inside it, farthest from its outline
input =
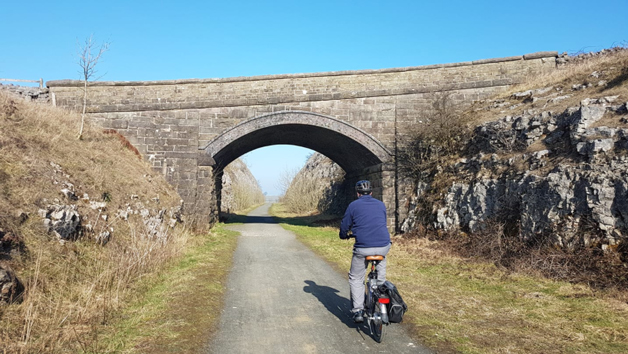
(76, 283)
(460, 305)
(176, 310)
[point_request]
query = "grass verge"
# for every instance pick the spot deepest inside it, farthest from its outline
(177, 310)
(458, 305)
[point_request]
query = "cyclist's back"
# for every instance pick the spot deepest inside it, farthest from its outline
(366, 218)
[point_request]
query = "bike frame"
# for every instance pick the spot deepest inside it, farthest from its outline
(375, 304)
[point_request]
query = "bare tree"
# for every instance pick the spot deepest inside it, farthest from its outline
(89, 55)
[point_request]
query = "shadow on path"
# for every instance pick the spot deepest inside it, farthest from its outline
(334, 303)
(314, 220)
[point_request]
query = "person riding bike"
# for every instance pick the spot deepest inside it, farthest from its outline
(365, 219)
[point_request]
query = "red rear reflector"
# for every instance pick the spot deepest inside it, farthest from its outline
(384, 301)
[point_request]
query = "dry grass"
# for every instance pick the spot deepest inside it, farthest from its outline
(499, 243)
(166, 318)
(612, 68)
(73, 289)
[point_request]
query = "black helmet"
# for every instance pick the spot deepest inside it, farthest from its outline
(363, 187)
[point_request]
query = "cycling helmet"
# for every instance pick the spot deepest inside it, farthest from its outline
(363, 187)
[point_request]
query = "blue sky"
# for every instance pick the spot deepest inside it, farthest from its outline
(162, 40)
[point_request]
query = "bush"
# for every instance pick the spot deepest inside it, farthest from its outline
(443, 134)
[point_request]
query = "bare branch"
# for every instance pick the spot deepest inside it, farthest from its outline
(88, 58)
(87, 62)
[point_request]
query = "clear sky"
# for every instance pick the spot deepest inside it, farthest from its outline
(162, 40)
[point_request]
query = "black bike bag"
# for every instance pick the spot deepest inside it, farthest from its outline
(396, 307)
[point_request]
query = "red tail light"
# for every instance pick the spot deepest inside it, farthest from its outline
(384, 300)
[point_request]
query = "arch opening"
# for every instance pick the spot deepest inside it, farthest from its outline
(359, 154)
(348, 146)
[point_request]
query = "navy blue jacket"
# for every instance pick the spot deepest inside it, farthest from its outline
(366, 218)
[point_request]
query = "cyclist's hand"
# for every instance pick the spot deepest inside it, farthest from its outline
(348, 235)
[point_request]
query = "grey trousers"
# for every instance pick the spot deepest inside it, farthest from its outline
(358, 272)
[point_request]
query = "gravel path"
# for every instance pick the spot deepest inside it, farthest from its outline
(282, 298)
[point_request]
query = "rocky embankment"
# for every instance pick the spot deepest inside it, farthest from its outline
(240, 189)
(63, 199)
(317, 186)
(542, 169)
(575, 179)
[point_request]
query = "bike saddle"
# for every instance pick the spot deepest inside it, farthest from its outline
(374, 258)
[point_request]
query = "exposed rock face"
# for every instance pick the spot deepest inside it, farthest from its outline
(10, 286)
(240, 189)
(581, 200)
(62, 220)
(71, 221)
(318, 186)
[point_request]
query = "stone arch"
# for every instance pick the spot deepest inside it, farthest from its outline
(352, 148)
(359, 154)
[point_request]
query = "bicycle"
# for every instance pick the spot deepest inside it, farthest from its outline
(375, 302)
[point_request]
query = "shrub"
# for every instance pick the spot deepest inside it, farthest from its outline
(443, 134)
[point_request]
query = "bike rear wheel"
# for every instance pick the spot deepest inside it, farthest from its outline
(378, 327)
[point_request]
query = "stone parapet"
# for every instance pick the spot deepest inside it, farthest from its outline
(132, 96)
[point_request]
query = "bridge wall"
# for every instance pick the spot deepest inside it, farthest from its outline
(171, 121)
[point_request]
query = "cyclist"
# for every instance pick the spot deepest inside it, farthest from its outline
(366, 219)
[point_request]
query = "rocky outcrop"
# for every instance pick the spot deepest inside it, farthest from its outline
(11, 287)
(240, 189)
(11, 243)
(318, 186)
(64, 219)
(574, 188)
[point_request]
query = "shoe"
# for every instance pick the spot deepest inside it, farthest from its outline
(357, 316)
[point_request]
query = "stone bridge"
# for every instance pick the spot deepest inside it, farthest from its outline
(191, 129)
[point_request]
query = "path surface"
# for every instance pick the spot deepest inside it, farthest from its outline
(282, 298)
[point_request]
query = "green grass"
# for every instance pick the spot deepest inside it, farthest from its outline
(177, 310)
(464, 306)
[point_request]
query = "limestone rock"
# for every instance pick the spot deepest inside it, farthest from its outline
(63, 220)
(238, 185)
(590, 192)
(103, 238)
(11, 288)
